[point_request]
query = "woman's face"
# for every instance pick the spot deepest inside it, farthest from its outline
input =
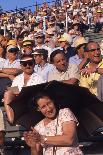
(47, 107)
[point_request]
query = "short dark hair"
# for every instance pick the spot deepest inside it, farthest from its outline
(54, 53)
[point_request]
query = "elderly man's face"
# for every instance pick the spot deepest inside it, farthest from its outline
(94, 52)
(60, 62)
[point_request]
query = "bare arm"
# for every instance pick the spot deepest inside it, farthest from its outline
(8, 97)
(71, 81)
(68, 137)
(11, 71)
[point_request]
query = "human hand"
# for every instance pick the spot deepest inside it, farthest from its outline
(28, 137)
(11, 77)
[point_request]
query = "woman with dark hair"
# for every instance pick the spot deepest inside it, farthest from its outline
(56, 133)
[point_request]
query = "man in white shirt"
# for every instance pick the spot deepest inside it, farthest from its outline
(27, 78)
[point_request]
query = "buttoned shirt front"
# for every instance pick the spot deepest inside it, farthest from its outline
(43, 71)
(34, 80)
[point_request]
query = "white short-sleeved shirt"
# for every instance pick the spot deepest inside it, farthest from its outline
(55, 127)
(34, 80)
(15, 64)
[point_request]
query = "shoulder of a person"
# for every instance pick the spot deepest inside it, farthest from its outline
(72, 65)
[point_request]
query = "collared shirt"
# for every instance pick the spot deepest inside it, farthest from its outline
(90, 82)
(14, 64)
(75, 60)
(34, 80)
(44, 71)
(2, 128)
(71, 72)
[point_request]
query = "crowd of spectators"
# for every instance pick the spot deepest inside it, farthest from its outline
(50, 44)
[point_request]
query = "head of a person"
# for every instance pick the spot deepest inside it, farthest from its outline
(40, 37)
(40, 55)
(65, 40)
(27, 64)
(94, 51)
(20, 40)
(80, 45)
(12, 52)
(27, 46)
(45, 104)
(59, 60)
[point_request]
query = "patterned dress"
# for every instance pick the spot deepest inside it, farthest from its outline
(55, 128)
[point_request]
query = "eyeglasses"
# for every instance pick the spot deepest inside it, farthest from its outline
(96, 49)
(29, 63)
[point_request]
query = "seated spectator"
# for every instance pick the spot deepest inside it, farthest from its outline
(79, 45)
(40, 42)
(11, 68)
(93, 69)
(65, 43)
(56, 133)
(64, 71)
(27, 46)
(42, 66)
(27, 78)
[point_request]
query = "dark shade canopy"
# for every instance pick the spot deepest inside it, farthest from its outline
(87, 108)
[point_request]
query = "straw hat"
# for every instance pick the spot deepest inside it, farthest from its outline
(80, 41)
(65, 38)
(12, 42)
(27, 41)
(10, 47)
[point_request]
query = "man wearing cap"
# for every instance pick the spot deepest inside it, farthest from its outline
(79, 44)
(27, 78)
(65, 42)
(42, 67)
(10, 68)
(40, 42)
(27, 46)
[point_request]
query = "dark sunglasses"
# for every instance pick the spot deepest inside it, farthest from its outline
(96, 49)
(25, 63)
(13, 50)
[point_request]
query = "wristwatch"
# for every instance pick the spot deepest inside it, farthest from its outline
(43, 141)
